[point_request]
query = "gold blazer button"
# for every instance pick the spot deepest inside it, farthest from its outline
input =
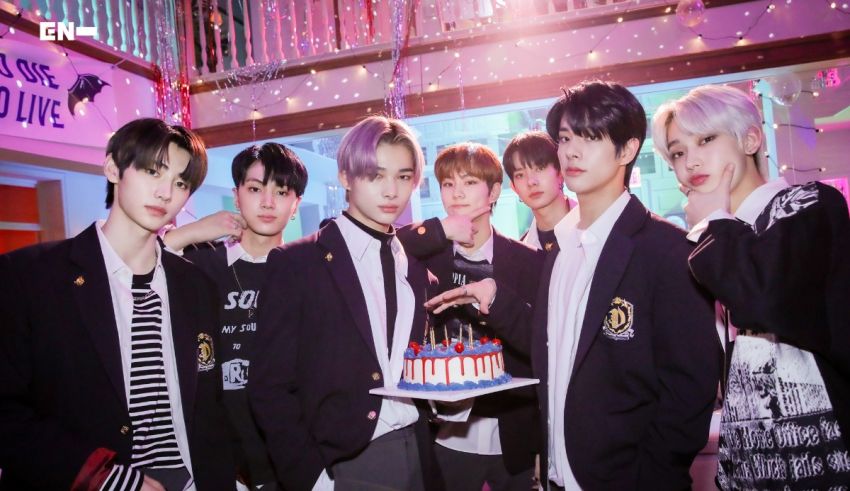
(376, 376)
(372, 415)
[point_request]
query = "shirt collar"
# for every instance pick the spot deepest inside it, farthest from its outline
(566, 227)
(531, 236)
(235, 252)
(754, 204)
(113, 262)
(597, 233)
(359, 241)
(485, 252)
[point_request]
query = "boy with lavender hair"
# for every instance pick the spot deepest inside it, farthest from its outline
(346, 303)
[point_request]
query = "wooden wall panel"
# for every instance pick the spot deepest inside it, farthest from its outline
(18, 204)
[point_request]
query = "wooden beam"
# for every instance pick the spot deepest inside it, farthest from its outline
(794, 51)
(51, 213)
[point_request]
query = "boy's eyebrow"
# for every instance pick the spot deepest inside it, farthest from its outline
(671, 143)
(406, 169)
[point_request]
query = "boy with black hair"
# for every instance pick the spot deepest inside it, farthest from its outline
(497, 444)
(622, 339)
(531, 162)
(109, 345)
(269, 181)
(775, 256)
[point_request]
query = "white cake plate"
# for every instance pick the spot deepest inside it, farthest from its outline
(453, 395)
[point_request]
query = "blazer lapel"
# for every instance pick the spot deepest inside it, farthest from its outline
(94, 303)
(612, 264)
(540, 353)
(338, 261)
(502, 251)
(181, 299)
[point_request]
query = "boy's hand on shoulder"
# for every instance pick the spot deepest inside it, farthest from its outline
(702, 204)
(211, 227)
(460, 229)
(220, 224)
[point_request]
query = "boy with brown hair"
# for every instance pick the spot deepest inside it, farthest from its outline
(497, 443)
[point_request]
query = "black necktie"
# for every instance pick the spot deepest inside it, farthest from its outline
(388, 271)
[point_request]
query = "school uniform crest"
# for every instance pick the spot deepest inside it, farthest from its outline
(206, 355)
(618, 321)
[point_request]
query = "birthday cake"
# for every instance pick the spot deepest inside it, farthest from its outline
(453, 365)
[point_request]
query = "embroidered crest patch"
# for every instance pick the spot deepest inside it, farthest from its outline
(618, 320)
(206, 355)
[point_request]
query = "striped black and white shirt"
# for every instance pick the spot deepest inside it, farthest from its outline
(120, 285)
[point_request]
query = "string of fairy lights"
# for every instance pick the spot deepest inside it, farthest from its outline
(690, 14)
(782, 168)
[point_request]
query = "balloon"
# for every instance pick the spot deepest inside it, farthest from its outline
(690, 12)
(785, 88)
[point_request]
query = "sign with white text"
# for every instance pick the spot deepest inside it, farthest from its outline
(44, 96)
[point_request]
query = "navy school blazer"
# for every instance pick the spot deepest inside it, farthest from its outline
(647, 364)
(62, 395)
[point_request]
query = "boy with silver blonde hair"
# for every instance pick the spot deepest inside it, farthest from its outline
(775, 256)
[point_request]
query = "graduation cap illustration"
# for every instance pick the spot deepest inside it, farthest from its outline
(84, 89)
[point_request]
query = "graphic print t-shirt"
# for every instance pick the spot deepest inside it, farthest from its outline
(237, 330)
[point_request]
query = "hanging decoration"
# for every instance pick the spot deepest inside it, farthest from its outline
(370, 20)
(460, 85)
(402, 20)
(785, 88)
(172, 81)
(263, 83)
(690, 12)
(84, 89)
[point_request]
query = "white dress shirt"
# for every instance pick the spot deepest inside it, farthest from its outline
(120, 286)
(572, 275)
(532, 239)
(395, 413)
(235, 252)
(478, 435)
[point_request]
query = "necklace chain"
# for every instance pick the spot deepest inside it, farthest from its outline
(251, 310)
